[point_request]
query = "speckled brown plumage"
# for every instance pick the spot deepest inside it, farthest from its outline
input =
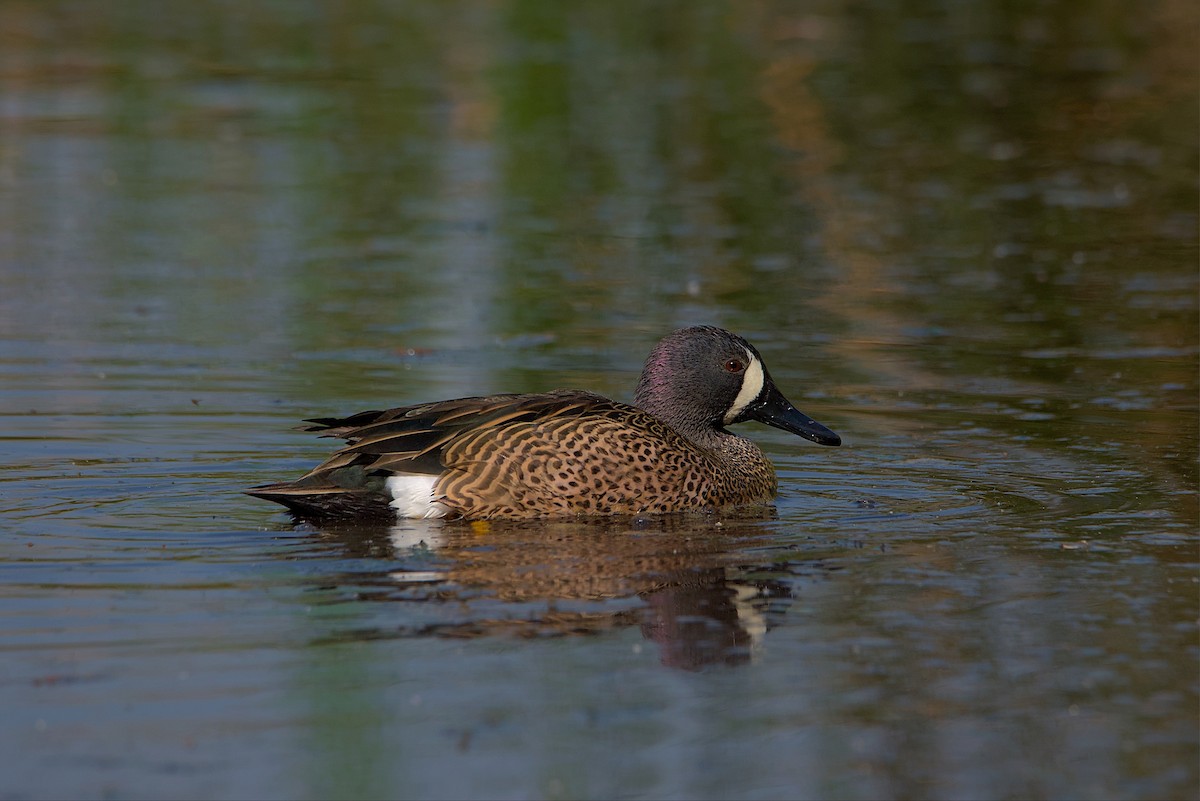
(601, 458)
(567, 453)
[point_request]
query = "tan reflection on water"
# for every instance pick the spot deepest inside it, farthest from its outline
(704, 591)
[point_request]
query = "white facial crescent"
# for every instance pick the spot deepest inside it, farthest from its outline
(752, 386)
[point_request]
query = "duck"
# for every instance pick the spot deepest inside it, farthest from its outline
(567, 453)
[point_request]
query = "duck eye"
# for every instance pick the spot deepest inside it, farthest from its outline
(735, 366)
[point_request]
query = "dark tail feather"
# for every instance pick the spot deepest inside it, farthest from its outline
(327, 504)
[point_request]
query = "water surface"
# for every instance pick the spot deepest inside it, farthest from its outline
(963, 236)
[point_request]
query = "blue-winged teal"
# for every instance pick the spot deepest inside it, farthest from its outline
(566, 453)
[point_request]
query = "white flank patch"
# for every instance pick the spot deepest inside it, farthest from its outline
(412, 496)
(752, 385)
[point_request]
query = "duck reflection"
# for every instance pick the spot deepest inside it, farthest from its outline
(705, 591)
